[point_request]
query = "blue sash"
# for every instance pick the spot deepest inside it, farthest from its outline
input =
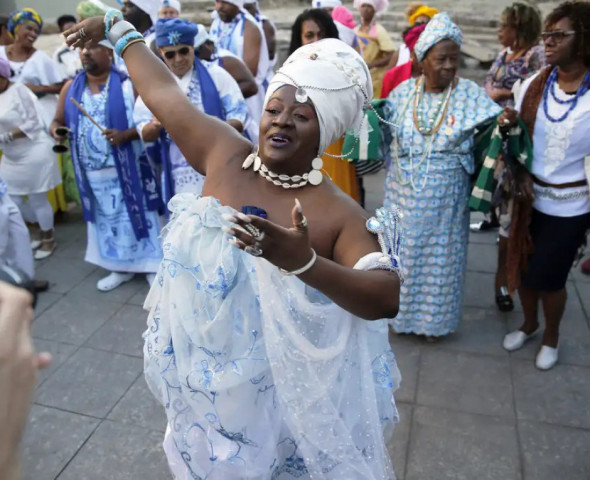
(125, 160)
(211, 105)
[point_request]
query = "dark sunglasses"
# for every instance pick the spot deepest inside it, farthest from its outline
(170, 54)
(557, 35)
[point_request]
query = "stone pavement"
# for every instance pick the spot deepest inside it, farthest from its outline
(469, 410)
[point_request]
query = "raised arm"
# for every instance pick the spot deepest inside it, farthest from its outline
(200, 137)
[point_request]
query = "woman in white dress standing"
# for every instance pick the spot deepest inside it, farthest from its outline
(28, 165)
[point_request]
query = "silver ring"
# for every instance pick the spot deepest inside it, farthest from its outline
(111, 140)
(252, 230)
(303, 223)
(253, 250)
(82, 33)
(505, 122)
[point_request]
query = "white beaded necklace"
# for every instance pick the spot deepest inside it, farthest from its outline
(314, 177)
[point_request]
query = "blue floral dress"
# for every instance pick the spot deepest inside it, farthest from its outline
(429, 179)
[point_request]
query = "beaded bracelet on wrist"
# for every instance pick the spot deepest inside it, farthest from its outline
(109, 20)
(126, 40)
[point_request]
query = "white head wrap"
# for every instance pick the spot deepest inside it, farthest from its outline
(202, 36)
(237, 3)
(379, 5)
(171, 3)
(151, 7)
(336, 79)
(326, 3)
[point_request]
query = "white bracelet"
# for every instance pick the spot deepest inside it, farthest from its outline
(303, 269)
(119, 29)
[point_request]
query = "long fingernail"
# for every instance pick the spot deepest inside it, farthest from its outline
(233, 242)
(226, 230)
(298, 205)
(228, 217)
(244, 218)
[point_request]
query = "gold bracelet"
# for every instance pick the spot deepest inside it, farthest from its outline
(137, 40)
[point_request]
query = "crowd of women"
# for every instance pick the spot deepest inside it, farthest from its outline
(268, 268)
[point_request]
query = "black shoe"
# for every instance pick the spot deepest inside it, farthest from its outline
(40, 285)
(483, 226)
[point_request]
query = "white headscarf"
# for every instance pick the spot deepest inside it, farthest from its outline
(379, 5)
(172, 3)
(326, 3)
(202, 36)
(335, 78)
(151, 7)
(237, 3)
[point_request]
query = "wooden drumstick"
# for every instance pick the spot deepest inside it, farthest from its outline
(83, 110)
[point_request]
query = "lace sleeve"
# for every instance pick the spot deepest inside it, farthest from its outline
(386, 224)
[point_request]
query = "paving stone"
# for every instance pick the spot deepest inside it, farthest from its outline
(121, 294)
(483, 238)
(482, 257)
(73, 319)
(122, 332)
(90, 382)
(75, 249)
(52, 437)
(46, 300)
(407, 353)
(120, 452)
(479, 292)
(465, 382)
(63, 275)
(458, 446)
(398, 446)
(139, 297)
(139, 407)
(551, 452)
(481, 331)
(60, 352)
(552, 396)
(574, 340)
(583, 290)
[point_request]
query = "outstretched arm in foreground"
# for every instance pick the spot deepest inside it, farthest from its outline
(200, 138)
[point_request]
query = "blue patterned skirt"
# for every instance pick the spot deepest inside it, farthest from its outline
(436, 220)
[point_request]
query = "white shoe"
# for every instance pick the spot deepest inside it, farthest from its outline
(43, 254)
(113, 280)
(546, 358)
(515, 340)
(35, 244)
(151, 278)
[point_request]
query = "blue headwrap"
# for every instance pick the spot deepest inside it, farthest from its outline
(18, 17)
(441, 27)
(174, 31)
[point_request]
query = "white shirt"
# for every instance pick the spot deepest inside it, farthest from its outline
(559, 150)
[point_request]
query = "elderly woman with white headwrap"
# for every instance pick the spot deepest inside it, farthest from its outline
(256, 343)
(430, 147)
(376, 43)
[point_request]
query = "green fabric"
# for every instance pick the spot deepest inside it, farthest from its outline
(89, 9)
(69, 179)
(520, 148)
(353, 146)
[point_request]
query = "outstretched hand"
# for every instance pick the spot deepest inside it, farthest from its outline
(287, 248)
(86, 33)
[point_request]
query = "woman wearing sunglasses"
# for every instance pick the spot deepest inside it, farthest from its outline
(553, 201)
(210, 89)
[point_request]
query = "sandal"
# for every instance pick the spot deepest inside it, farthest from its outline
(504, 300)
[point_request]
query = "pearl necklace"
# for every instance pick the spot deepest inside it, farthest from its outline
(314, 177)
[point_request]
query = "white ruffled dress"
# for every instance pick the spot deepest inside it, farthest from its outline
(261, 376)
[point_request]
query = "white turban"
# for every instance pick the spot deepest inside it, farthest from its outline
(379, 5)
(151, 7)
(237, 3)
(202, 36)
(335, 78)
(172, 3)
(326, 3)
